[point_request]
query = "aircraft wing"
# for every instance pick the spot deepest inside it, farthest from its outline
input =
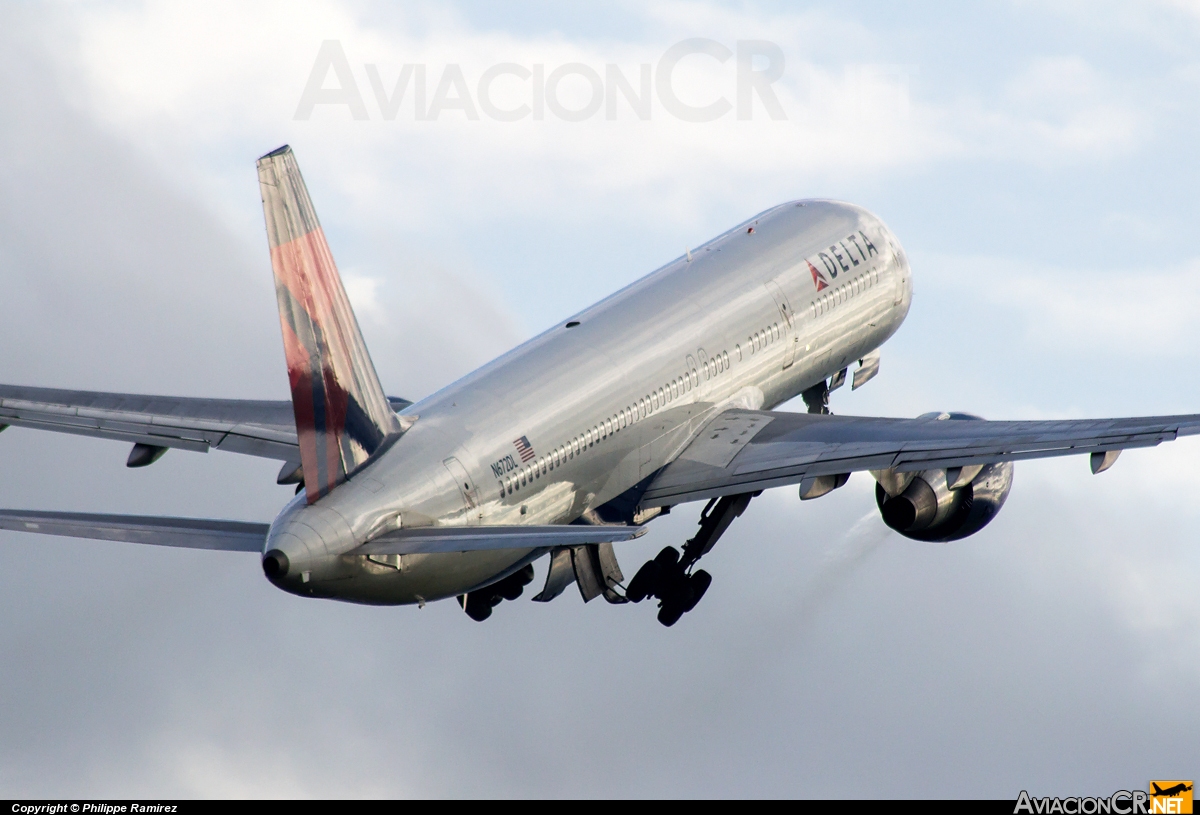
(249, 426)
(424, 540)
(745, 451)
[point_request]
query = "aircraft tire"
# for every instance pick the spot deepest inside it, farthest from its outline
(669, 614)
(698, 583)
(668, 558)
(644, 583)
(479, 611)
(678, 598)
(511, 587)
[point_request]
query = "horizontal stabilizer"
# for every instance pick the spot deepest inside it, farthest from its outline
(252, 427)
(188, 533)
(430, 539)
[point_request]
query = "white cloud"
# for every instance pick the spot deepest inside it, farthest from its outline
(215, 770)
(363, 293)
(1142, 572)
(1112, 312)
(227, 77)
(828, 650)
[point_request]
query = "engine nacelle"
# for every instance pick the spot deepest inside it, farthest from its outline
(923, 506)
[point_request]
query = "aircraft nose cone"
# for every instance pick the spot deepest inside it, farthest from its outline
(275, 564)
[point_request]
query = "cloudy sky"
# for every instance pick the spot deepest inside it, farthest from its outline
(1037, 160)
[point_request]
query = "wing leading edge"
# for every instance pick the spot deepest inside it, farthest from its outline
(743, 450)
(426, 540)
(237, 536)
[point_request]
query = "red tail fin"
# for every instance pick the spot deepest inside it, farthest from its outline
(342, 415)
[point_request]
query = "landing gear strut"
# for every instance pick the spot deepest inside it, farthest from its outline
(817, 397)
(670, 578)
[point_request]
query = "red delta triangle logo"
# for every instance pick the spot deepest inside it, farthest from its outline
(818, 279)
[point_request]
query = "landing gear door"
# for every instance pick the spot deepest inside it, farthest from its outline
(787, 323)
(463, 481)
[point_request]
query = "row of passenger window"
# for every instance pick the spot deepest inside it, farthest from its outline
(856, 285)
(643, 408)
(761, 339)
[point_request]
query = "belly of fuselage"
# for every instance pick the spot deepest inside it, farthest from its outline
(398, 580)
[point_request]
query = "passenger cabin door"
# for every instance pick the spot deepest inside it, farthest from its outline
(786, 323)
(462, 480)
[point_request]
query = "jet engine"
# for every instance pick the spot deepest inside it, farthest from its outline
(944, 505)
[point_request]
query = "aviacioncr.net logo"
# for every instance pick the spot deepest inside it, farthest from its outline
(1163, 798)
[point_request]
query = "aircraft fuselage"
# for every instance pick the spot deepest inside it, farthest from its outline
(589, 410)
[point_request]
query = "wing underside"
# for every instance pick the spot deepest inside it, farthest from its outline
(745, 451)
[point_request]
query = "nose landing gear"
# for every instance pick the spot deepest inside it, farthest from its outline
(670, 578)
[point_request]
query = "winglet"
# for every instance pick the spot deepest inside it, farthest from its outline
(342, 415)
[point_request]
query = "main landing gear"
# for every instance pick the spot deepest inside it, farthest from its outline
(479, 603)
(670, 578)
(817, 397)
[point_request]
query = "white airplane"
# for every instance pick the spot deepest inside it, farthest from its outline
(658, 395)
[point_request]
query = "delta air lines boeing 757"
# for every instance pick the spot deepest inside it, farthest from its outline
(577, 438)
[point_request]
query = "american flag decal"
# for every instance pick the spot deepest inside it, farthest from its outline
(524, 448)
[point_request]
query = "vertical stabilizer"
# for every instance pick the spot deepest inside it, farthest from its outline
(342, 415)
